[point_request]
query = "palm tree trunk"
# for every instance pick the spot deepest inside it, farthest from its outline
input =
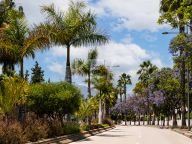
(125, 92)
(120, 97)
(68, 76)
(89, 85)
(21, 69)
(104, 108)
(100, 110)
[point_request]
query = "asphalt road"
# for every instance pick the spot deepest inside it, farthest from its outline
(137, 135)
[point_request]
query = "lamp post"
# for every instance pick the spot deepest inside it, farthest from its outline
(188, 79)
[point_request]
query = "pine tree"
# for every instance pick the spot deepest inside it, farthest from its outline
(37, 75)
(26, 75)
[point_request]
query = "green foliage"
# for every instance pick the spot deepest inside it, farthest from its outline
(87, 108)
(71, 128)
(13, 91)
(37, 74)
(54, 98)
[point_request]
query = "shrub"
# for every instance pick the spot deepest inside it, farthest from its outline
(71, 128)
(55, 128)
(104, 125)
(54, 98)
(108, 121)
(12, 134)
(36, 129)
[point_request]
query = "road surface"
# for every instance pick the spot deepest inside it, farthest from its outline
(137, 135)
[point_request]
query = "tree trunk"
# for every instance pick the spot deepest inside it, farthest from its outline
(100, 111)
(125, 92)
(104, 109)
(68, 77)
(139, 120)
(143, 119)
(158, 120)
(174, 120)
(121, 98)
(89, 85)
(130, 122)
(21, 69)
(153, 120)
(183, 99)
(163, 121)
(168, 121)
(125, 119)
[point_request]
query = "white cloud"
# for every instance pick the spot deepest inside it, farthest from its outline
(131, 14)
(56, 68)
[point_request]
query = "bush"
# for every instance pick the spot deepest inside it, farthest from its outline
(71, 128)
(104, 125)
(12, 134)
(54, 98)
(108, 121)
(55, 128)
(36, 129)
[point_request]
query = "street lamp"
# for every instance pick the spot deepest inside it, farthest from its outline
(188, 79)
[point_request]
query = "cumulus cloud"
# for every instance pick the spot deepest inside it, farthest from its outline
(131, 14)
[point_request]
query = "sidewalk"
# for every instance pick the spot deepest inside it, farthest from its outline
(184, 132)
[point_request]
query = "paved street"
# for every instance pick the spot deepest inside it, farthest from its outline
(137, 135)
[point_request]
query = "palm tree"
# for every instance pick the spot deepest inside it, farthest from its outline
(18, 42)
(102, 81)
(169, 14)
(120, 89)
(85, 68)
(145, 72)
(73, 28)
(125, 80)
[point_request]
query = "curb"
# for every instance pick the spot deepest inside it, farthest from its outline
(73, 137)
(187, 134)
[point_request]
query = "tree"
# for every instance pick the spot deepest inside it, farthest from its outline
(124, 80)
(21, 42)
(120, 89)
(145, 73)
(54, 100)
(13, 92)
(26, 76)
(85, 68)
(102, 81)
(172, 12)
(76, 27)
(7, 13)
(37, 74)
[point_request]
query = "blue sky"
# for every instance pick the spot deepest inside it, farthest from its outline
(134, 33)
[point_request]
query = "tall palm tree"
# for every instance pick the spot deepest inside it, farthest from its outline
(102, 81)
(145, 72)
(125, 79)
(169, 14)
(85, 68)
(120, 89)
(21, 42)
(75, 28)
